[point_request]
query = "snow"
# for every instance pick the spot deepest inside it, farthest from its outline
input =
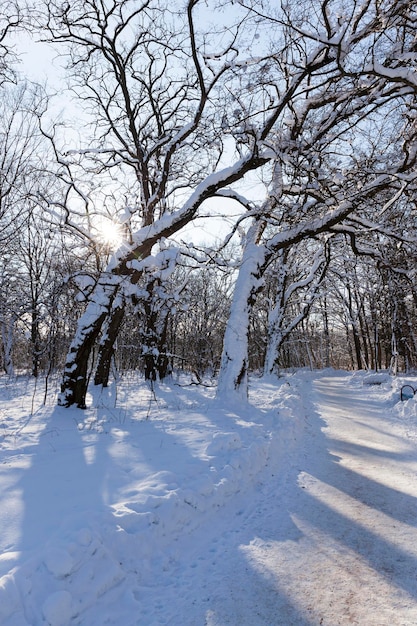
(169, 506)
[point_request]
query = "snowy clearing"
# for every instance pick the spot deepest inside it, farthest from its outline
(297, 509)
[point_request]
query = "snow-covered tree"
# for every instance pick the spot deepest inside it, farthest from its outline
(197, 329)
(339, 166)
(297, 288)
(12, 17)
(188, 101)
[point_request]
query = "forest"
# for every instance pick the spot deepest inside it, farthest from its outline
(224, 187)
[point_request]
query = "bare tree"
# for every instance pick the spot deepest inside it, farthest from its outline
(12, 17)
(298, 281)
(21, 172)
(20, 153)
(337, 161)
(160, 94)
(12, 307)
(185, 110)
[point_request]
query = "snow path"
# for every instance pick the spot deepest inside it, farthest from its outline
(349, 552)
(334, 542)
(362, 503)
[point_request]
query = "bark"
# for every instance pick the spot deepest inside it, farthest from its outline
(106, 348)
(275, 320)
(36, 342)
(156, 361)
(7, 340)
(377, 348)
(364, 329)
(349, 347)
(233, 375)
(275, 340)
(394, 355)
(326, 332)
(75, 378)
(357, 345)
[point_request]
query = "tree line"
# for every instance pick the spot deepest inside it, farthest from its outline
(293, 125)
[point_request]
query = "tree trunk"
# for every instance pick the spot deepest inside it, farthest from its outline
(364, 331)
(7, 340)
(36, 341)
(278, 330)
(107, 343)
(75, 379)
(233, 375)
(377, 349)
(275, 339)
(349, 345)
(394, 358)
(326, 334)
(275, 320)
(156, 360)
(154, 340)
(357, 345)
(163, 362)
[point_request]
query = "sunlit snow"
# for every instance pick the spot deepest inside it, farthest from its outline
(173, 507)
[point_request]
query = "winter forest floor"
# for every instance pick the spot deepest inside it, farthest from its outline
(298, 509)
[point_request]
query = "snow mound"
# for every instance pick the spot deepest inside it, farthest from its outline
(57, 608)
(223, 443)
(59, 563)
(376, 378)
(9, 597)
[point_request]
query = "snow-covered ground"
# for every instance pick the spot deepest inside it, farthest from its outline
(172, 507)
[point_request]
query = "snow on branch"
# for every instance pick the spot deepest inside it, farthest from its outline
(317, 262)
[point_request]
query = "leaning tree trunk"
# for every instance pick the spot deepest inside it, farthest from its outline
(233, 376)
(106, 348)
(75, 377)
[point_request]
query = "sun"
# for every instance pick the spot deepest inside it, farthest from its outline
(108, 232)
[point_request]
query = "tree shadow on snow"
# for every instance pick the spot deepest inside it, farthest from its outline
(336, 538)
(372, 524)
